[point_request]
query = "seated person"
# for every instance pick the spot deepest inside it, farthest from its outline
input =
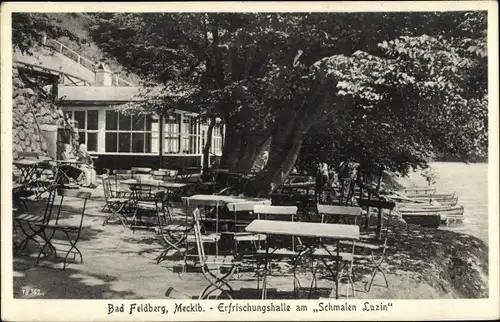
(68, 154)
(88, 170)
(87, 167)
(71, 171)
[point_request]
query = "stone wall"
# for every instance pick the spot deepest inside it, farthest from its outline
(30, 112)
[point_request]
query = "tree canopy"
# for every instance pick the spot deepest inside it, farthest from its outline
(386, 89)
(383, 89)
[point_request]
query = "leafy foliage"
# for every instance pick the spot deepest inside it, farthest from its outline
(393, 88)
(28, 30)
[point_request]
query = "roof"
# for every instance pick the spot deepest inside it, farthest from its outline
(111, 93)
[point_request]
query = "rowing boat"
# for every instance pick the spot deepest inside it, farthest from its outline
(448, 200)
(422, 191)
(432, 195)
(447, 214)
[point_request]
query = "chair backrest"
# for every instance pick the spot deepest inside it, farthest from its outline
(247, 205)
(284, 211)
(338, 211)
(49, 205)
(198, 237)
(122, 174)
(341, 212)
(277, 213)
(243, 211)
(140, 170)
(106, 185)
(160, 174)
(147, 193)
(71, 193)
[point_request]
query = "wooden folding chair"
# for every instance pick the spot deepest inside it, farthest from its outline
(240, 222)
(45, 177)
(278, 213)
(337, 214)
(146, 199)
(288, 250)
(71, 232)
(114, 204)
(377, 262)
(210, 225)
(28, 222)
(208, 264)
(119, 189)
(173, 233)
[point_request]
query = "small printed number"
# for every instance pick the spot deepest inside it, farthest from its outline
(31, 292)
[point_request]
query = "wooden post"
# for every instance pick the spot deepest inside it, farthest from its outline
(379, 224)
(161, 136)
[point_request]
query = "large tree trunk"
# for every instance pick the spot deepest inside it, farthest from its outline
(241, 148)
(231, 148)
(252, 146)
(284, 150)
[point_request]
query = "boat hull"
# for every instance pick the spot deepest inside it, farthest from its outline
(443, 201)
(447, 215)
(422, 191)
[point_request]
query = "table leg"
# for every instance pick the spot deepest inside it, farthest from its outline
(337, 263)
(264, 278)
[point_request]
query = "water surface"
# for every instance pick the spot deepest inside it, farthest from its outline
(470, 184)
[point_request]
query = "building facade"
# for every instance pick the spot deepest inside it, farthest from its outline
(122, 141)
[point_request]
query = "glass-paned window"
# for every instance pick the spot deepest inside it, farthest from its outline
(124, 143)
(87, 123)
(217, 139)
(172, 128)
(131, 133)
(191, 135)
(111, 120)
(111, 142)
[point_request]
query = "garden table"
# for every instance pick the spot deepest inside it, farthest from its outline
(64, 167)
(28, 169)
(172, 187)
(317, 231)
(218, 201)
(154, 183)
(167, 231)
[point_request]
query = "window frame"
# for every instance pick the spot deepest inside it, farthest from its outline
(131, 132)
(86, 131)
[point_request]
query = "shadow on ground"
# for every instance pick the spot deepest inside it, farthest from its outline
(70, 283)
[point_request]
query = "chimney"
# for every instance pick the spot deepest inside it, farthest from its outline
(103, 76)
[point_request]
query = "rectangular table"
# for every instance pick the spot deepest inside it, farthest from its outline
(304, 229)
(219, 200)
(154, 183)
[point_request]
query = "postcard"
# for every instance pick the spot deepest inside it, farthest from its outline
(250, 161)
